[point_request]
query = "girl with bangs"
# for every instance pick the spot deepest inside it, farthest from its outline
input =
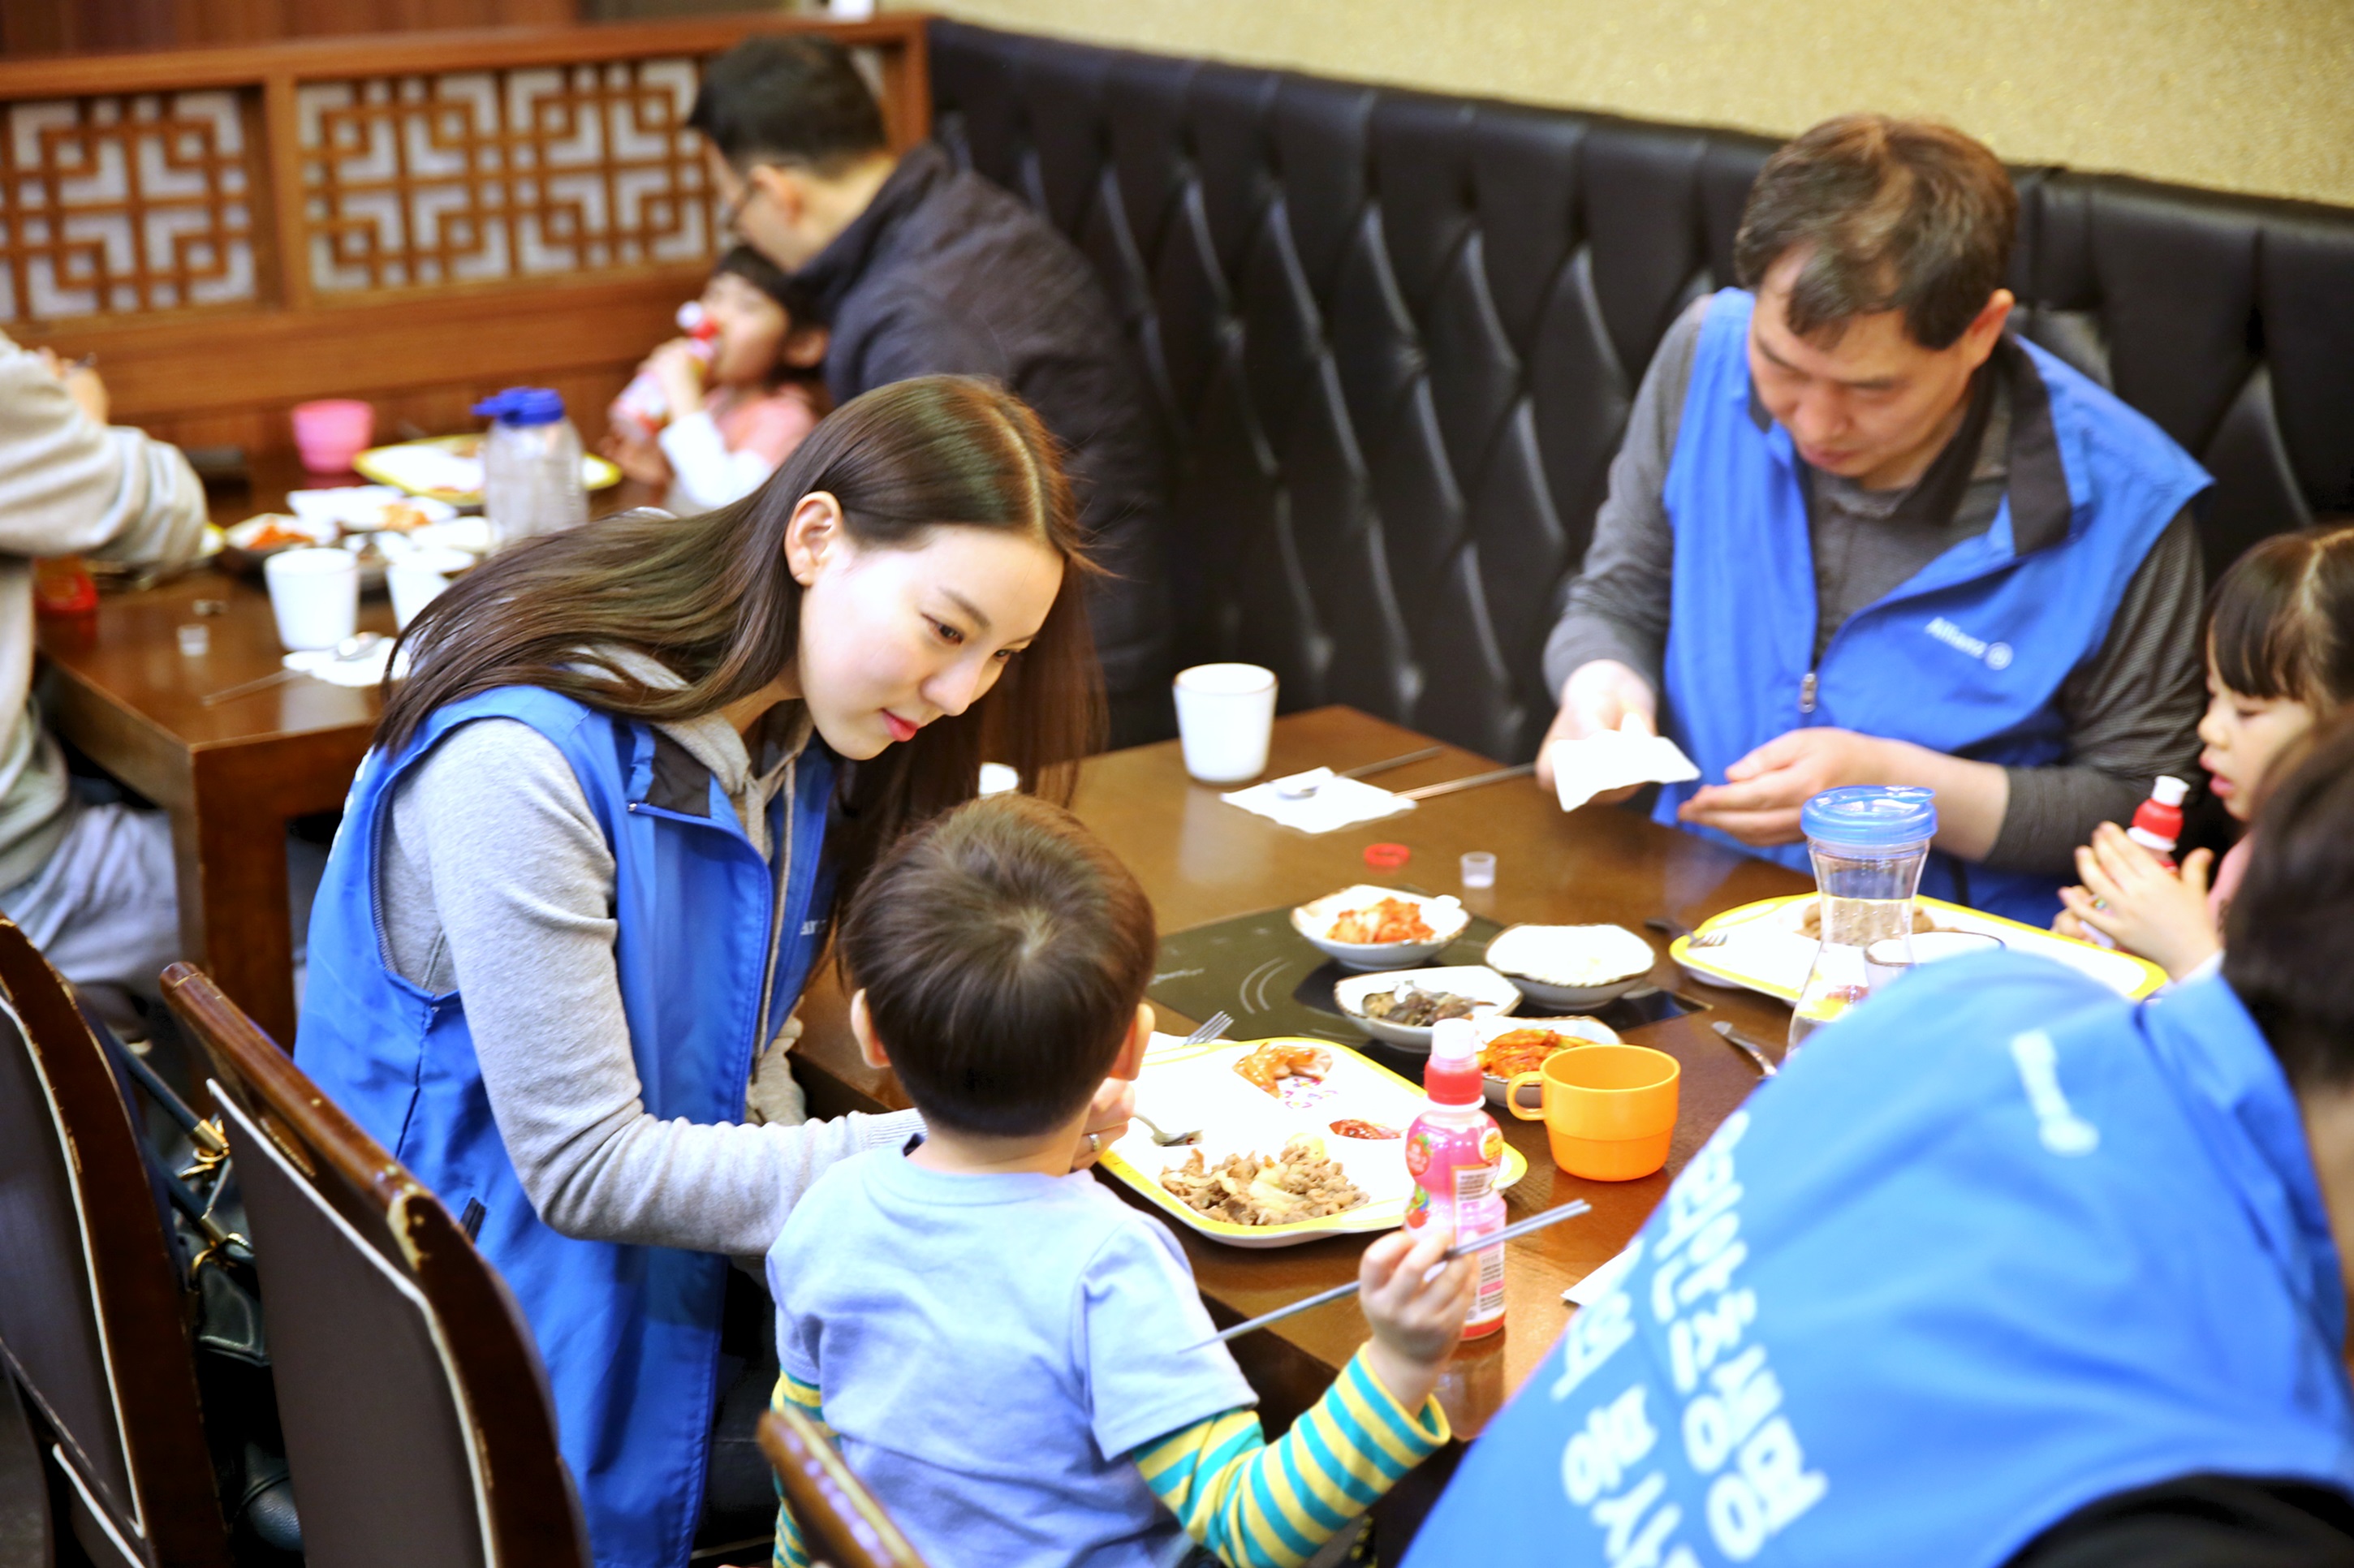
(586, 871)
(2279, 661)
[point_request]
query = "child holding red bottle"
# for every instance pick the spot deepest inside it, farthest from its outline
(2280, 659)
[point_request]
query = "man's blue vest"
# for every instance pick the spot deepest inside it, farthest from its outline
(630, 1334)
(1968, 657)
(1998, 1244)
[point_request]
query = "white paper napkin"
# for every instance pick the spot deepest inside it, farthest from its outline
(1598, 1284)
(1613, 759)
(1337, 803)
(322, 665)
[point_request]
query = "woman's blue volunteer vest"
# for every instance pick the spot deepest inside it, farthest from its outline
(630, 1334)
(1997, 1245)
(1968, 658)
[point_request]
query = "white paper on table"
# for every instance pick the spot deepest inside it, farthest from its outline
(1337, 803)
(1601, 1282)
(1613, 759)
(345, 503)
(321, 664)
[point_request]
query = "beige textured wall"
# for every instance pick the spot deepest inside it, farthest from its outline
(2248, 95)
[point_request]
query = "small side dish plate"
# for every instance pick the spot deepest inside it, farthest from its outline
(1442, 914)
(1489, 993)
(1611, 961)
(1576, 1031)
(1198, 1086)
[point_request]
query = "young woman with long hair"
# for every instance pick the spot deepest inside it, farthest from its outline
(587, 869)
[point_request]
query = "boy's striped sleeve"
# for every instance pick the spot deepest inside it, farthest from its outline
(789, 1552)
(1262, 1505)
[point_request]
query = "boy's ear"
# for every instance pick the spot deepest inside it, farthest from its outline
(1130, 1061)
(804, 347)
(861, 1026)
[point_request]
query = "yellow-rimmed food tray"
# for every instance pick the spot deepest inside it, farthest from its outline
(449, 468)
(1186, 1086)
(1763, 949)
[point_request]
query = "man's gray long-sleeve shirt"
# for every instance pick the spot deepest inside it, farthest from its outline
(2132, 708)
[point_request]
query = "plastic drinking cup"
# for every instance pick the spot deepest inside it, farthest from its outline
(315, 595)
(1224, 715)
(1479, 869)
(417, 577)
(1609, 1110)
(332, 432)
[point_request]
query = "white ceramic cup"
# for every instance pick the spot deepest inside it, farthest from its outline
(415, 576)
(315, 595)
(1225, 715)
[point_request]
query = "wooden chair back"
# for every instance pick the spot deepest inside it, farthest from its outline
(91, 1327)
(843, 1526)
(416, 1418)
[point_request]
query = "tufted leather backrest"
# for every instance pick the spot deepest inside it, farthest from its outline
(1395, 338)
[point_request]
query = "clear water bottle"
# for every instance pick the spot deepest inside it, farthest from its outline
(531, 466)
(1868, 842)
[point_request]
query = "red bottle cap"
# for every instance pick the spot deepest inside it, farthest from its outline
(1387, 857)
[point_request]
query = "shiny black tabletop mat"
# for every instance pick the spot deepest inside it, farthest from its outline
(1275, 982)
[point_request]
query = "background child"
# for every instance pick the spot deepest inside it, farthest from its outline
(743, 412)
(2280, 659)
(998, 1343)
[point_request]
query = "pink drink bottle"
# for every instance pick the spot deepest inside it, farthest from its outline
(1452, 1151)
(642, 401)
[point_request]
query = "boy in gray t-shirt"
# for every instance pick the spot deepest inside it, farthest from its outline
(998, 1343)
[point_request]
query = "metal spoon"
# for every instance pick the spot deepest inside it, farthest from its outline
(1162, 1137)
(345, 652)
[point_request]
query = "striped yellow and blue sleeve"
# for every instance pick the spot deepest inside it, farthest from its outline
(789, 1552)
(1258, 1504)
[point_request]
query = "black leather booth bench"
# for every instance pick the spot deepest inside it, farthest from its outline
(1395, 337)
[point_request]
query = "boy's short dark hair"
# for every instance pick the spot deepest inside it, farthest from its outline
(2280, 624)
(1898, 214)
(2288, 948)
(771, 280)
(789, 99)
(1004, 950)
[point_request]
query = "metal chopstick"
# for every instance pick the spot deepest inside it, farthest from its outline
(1386, 763)
(1473, 783)
(1568, 1211)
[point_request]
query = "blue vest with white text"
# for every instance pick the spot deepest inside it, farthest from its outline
(1997, 1245)
(630, 1334)
(1968, 658)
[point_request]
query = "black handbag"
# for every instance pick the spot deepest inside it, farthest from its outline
(199, 1205)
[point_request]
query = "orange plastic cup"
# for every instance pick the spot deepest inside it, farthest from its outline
(1609, 1110)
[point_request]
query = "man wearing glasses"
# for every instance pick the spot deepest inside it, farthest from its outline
(920, 269)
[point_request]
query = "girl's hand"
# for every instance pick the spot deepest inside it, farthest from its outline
(679, 371)
(637, 455)
(2130, 897)
(1107, 1121)
(1417, 1322)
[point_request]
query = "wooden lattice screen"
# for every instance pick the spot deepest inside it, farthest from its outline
(414, 219)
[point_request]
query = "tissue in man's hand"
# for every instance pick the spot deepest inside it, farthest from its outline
(1613, 759)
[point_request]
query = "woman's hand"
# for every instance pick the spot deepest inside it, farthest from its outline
(1107, 1121)
(679, 370)
(2132, 899)
(1417, 1322)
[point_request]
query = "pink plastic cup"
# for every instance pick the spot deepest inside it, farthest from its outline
(331, 432)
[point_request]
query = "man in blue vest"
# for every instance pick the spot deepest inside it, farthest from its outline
(2004, 1269)
(1858, 534)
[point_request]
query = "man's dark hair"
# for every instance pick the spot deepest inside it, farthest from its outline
(795, 98)
(2280, 624)
(2288, 947)
(1004, 950)
(1893, 215)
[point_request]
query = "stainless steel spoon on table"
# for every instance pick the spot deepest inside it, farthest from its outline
(349, 651)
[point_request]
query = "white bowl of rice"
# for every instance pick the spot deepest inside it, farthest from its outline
(1570, 967)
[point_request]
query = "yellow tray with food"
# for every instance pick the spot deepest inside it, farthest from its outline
(1768, 946)
(450, 468)
(1300, 1138)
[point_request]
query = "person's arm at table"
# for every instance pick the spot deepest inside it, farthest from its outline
(72, 485)
(521, 882)
(1603, 656)
(2131, 711)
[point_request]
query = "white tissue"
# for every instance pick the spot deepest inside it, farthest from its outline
(1613, 759)
(1337, 803)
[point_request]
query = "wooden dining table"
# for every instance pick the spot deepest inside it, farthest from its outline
(233, 776)
(1203, 859)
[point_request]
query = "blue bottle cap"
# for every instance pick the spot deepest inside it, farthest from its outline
(522, 405)
(1871, 816)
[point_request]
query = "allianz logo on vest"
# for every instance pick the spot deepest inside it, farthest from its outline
(1995, 655)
